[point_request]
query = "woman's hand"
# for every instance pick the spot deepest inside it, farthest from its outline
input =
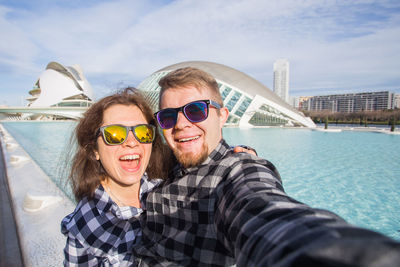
(245, 149)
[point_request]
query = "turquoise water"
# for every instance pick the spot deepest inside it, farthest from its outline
(354, 174)
(48, 144)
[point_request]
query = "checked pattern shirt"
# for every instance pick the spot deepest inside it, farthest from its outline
(232, 209)
(100, 233)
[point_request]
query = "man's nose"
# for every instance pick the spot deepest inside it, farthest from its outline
(182, 121)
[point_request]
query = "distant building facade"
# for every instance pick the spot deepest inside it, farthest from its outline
(281, 79)
(347, 103)
(397, 101)
(294, 101)
(302, 102)
(249, 102)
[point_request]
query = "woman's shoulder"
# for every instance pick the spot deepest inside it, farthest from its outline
(84, 210)
(88, 210)
(100, 230)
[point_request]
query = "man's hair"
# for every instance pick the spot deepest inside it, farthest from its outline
(189, 76)
(86, 171)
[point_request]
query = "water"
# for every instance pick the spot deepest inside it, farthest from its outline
(48, 144)
(354, 174)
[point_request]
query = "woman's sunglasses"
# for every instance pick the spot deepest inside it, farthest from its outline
(117, 134)
(196, 111)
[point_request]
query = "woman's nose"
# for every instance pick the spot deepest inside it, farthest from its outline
(130, 140)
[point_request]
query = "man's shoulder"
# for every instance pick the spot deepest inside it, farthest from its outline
(243, 158)
(247, 165)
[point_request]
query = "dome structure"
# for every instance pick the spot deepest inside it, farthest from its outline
(250, 103)
(62, 87)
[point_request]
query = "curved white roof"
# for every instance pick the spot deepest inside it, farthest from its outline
(58, 83)
(233, 77)
(247, 98)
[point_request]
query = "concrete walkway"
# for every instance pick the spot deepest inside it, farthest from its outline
(38, 206)
(10, 252)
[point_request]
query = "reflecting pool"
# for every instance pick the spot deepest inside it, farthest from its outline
(354, 174)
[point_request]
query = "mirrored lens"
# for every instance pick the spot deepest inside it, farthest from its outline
(196, 112)
(167, 118)
(114, 134)
(144, 133)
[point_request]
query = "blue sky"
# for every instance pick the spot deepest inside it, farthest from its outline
(332, 46)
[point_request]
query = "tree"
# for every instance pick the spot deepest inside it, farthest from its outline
(392, 124)
(326, 122)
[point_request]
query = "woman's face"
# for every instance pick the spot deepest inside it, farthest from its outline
(125, 163)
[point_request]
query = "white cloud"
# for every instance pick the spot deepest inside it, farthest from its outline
(16, 51)
(330, 44)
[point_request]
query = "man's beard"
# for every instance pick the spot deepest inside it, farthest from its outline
(191, 159)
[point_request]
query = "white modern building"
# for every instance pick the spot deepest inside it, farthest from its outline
(281, 79)
(61, 86)
(59, 92)
(250, 103)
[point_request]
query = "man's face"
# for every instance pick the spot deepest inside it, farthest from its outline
(192, 142)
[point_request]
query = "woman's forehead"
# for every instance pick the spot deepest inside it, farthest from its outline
(123, 114)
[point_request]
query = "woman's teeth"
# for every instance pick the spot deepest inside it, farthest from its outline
(129, 157)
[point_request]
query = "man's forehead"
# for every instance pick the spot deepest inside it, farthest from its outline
(189, 87)
(192, 89)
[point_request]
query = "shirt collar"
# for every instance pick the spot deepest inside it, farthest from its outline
(104, 203)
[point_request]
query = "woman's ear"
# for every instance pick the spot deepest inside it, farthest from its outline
(96, 154)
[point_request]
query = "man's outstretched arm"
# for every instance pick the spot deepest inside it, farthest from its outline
(263, 226)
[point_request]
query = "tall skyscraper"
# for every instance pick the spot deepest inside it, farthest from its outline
(281, 78)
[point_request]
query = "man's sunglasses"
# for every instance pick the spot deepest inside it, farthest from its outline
(196, 111)
(117, 134)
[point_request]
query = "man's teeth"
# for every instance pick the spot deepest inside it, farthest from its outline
(189, 139)
(130, 157)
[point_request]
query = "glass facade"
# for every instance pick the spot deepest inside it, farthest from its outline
(233, 100)
(224, 92)
(243, 106)
(268, 115)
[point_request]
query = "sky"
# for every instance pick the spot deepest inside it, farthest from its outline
(333, 47)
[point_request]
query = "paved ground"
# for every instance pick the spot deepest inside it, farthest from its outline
(10, 252)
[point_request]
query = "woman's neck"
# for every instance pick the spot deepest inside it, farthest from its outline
(123, 195)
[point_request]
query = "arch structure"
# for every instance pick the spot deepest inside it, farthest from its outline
(42, 113)
(250, 103)
(61, 92)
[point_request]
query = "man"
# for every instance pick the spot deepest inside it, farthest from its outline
(218, 208)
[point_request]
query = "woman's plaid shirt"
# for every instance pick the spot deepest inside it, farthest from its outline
(232, 209)
(100, 233)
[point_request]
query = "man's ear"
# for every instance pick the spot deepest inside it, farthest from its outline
(223, 115)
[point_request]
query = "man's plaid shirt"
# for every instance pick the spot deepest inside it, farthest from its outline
(100, 233)
(232, 209)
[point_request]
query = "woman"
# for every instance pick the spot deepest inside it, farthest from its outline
(118, 156)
